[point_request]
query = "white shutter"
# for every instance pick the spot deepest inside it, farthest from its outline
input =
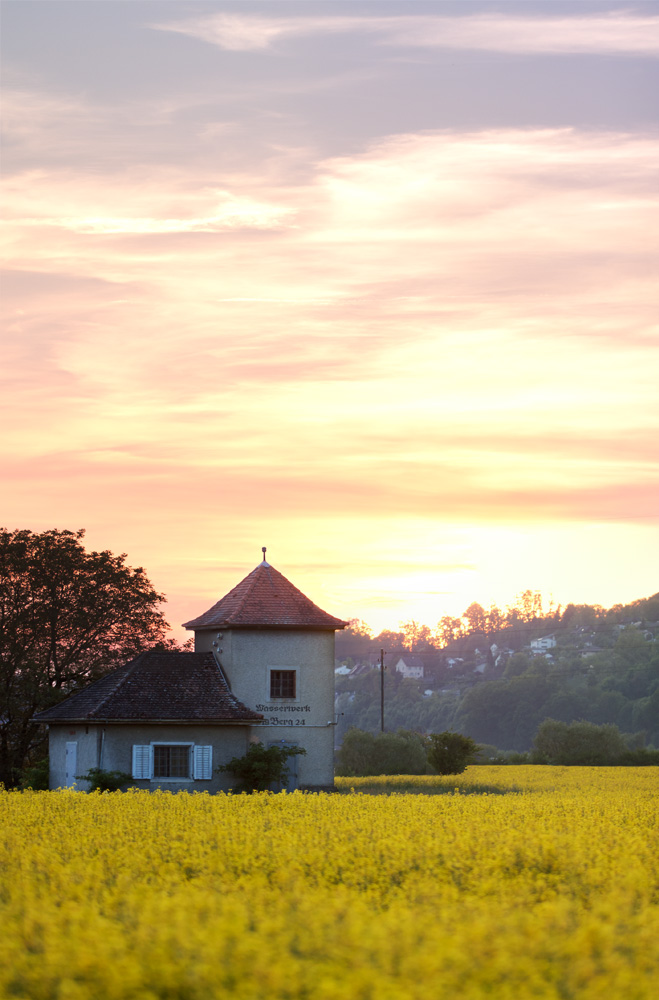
(203, 763)
(141, 761)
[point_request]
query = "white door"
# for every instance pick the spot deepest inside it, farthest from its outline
(71, 764)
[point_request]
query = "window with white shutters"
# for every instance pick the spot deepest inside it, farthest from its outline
(173, 760)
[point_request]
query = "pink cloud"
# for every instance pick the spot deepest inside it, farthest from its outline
(497, 32)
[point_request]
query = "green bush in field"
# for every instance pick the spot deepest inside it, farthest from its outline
(450, 753)
(577, 743)
(104, 781)
(362, 754)
(584, 743)
(261, 766)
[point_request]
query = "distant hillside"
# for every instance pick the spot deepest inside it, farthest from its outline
(497, 675)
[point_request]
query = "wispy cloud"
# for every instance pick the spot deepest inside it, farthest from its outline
(138, 202)
(233, 216)
(508, 240)
(596, 33)
(617, 32)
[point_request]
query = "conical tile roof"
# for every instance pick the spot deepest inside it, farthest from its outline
(265, 599)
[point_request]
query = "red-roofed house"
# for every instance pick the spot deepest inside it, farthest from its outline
(262, 669)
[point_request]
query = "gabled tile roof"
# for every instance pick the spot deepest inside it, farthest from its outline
(156, 687)
(411, 661)
(265, 599)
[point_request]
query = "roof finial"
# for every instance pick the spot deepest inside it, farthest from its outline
(263, 551)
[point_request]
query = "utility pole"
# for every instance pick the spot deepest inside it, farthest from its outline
(382, 690)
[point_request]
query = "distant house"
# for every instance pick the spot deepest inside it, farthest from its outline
(500, 655)
(360, 669)
(410, 666)
(543, 644)
(263, 669)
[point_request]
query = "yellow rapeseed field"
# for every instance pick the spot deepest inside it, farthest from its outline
(513, 883)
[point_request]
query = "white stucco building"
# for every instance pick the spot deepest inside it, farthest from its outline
(262, 669)
(410, 666)
(543, 644)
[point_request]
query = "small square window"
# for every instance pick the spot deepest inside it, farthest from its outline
(282, 684)
(171, 761)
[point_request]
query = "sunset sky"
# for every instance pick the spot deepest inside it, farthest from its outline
(373, 284)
